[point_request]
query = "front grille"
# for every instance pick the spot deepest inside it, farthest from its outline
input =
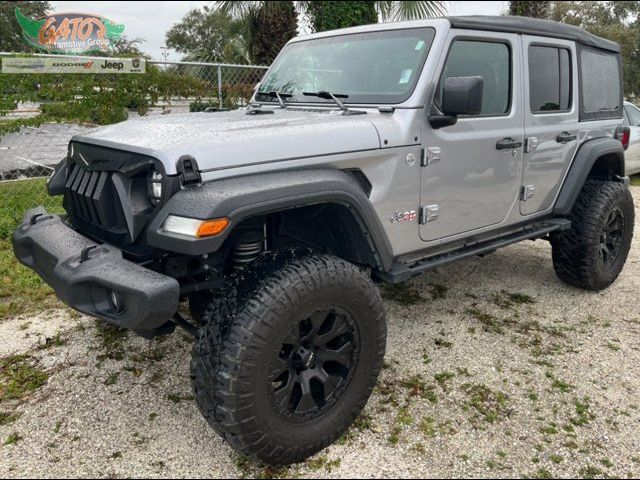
(90, 198)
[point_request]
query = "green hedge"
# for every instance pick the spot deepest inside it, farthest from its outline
(100, 99)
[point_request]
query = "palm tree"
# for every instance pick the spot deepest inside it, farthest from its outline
(264, 22)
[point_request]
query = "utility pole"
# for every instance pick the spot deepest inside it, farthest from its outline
(165, 52)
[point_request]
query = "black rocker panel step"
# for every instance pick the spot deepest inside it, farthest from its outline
(401, 272)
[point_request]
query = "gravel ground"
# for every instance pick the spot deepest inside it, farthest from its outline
(494, 369)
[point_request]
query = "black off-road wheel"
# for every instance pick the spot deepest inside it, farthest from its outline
(592, 253)
(289, 355)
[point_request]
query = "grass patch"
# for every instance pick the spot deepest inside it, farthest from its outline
(590, 472)
(490, 405)
(635, 181)
(12, 439)
(8, 417)
(558, 384)
(442, 343)
(418, 388)
(489, 323)
(402, 293)
(505, 299)
(583, 415)
(21, 290)
(19, 377)
(322, 462)
(438, 291)
(112, 341)
(112, 379)
(443, 378)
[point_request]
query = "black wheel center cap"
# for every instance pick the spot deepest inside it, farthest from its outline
(307, 358)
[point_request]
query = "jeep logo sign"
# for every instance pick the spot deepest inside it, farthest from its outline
(113, 65)
(72, 65)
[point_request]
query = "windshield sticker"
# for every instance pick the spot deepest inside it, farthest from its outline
(419, 45)
(405, 76)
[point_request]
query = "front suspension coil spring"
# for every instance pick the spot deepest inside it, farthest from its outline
(245, 253)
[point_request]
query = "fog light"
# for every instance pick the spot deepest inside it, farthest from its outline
(117, 301)
(154, 187)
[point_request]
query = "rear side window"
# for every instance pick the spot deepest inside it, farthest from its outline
(601, 85)
(549, 79)
(489, 60)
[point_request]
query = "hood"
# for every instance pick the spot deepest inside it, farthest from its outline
(219, 140)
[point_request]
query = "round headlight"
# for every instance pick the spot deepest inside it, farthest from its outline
(154, 187)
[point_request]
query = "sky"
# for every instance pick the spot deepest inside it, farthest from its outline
(151, 20)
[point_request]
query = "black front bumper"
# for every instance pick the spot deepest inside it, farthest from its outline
(86, 281)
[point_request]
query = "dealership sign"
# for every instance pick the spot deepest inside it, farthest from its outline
(69, 32)
(61, 64)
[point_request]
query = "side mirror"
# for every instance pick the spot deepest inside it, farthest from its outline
(460, 96)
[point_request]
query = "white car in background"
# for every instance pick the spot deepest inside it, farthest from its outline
(632, 154)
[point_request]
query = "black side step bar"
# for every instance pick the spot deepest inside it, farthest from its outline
(401, 272)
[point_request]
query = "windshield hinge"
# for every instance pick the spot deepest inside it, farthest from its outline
(188, 169)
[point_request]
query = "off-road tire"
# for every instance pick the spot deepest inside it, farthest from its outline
(244, 329)
(577, 253)
(198, 304)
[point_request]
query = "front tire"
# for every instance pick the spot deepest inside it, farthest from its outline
(291, 362)
(592, 253)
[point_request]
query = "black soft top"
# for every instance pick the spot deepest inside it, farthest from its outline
(532, 26)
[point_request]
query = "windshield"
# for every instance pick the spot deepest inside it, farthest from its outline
(372, 67)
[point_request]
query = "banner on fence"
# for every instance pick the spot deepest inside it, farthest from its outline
(72, 65)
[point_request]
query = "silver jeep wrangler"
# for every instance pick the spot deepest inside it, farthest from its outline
(370, 154)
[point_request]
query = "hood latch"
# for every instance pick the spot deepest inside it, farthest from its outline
(188, 169)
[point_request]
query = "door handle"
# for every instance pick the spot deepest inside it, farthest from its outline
(565, 137)
(508, 144)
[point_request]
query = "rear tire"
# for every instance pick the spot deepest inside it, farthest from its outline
(593, 252)
(287, 361)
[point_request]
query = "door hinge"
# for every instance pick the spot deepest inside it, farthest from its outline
(430, 156)
(528, 191)
(429, 213)
(188, 169)
(531, 144)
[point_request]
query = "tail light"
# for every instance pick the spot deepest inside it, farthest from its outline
(623, 134)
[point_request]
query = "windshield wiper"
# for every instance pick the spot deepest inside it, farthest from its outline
(280, 97)
(336, 98)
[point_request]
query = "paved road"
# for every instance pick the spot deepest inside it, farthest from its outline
(36, 147)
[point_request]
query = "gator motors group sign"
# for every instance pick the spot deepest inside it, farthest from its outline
(69, 33)
(62, 64)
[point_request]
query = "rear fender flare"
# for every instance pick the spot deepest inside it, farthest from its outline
(604, 149)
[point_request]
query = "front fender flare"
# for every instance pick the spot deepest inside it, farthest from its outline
(239, 198)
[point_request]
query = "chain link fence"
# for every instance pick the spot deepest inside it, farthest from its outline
(39, 113)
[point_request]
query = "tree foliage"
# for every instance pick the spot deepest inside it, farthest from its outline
(259, 18)
(10, 31)
(534, 9)
(208, 34)
(615, 20)
(330, 15)
(268, 30)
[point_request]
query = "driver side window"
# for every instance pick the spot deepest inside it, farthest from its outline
(489, 60)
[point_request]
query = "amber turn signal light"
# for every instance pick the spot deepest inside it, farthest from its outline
(210, 228)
